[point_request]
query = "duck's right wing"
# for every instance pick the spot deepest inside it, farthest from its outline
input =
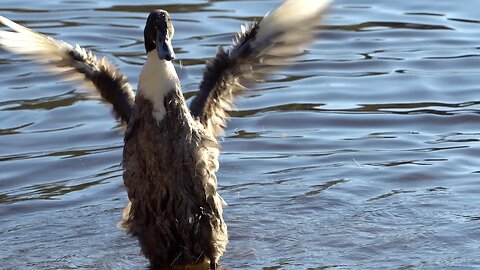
(258, 49)
(72, 61)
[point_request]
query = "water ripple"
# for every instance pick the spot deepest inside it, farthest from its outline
(361, 155)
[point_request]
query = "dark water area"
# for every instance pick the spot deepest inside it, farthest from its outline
(364, 154)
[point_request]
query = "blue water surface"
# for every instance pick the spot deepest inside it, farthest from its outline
(364, 154)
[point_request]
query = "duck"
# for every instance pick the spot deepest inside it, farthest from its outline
(171, 149)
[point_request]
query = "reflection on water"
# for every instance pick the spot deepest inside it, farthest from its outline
(364, 155)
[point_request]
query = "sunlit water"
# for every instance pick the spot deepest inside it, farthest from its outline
(364, 155)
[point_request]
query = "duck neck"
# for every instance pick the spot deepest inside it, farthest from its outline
(157, 79)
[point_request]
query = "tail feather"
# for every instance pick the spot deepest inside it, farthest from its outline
(73, 62)
(257, 50)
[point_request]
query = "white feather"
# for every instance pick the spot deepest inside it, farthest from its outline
(291, 16)
(52, 53)
(41, 48)
(29, 42)
(157, 79)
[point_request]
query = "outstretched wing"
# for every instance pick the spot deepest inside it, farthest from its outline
(257, 50)
(63, 58)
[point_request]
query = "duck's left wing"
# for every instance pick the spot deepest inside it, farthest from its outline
(257, 50)
(71, 61)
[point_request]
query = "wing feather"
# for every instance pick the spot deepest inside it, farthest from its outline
(73, 62)
(262, 46)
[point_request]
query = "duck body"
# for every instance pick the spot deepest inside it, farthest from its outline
(174, 203)
(169, 172)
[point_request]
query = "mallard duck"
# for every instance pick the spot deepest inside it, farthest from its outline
(171, 150)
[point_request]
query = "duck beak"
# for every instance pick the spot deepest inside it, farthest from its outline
(164, 47)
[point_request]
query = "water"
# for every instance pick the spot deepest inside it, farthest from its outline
(364, 155)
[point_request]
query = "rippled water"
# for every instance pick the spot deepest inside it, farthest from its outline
(364, 155)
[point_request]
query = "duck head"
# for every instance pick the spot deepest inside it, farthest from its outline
(158, 34)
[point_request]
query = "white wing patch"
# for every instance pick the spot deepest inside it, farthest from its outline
(293, 17)
(28, 42)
